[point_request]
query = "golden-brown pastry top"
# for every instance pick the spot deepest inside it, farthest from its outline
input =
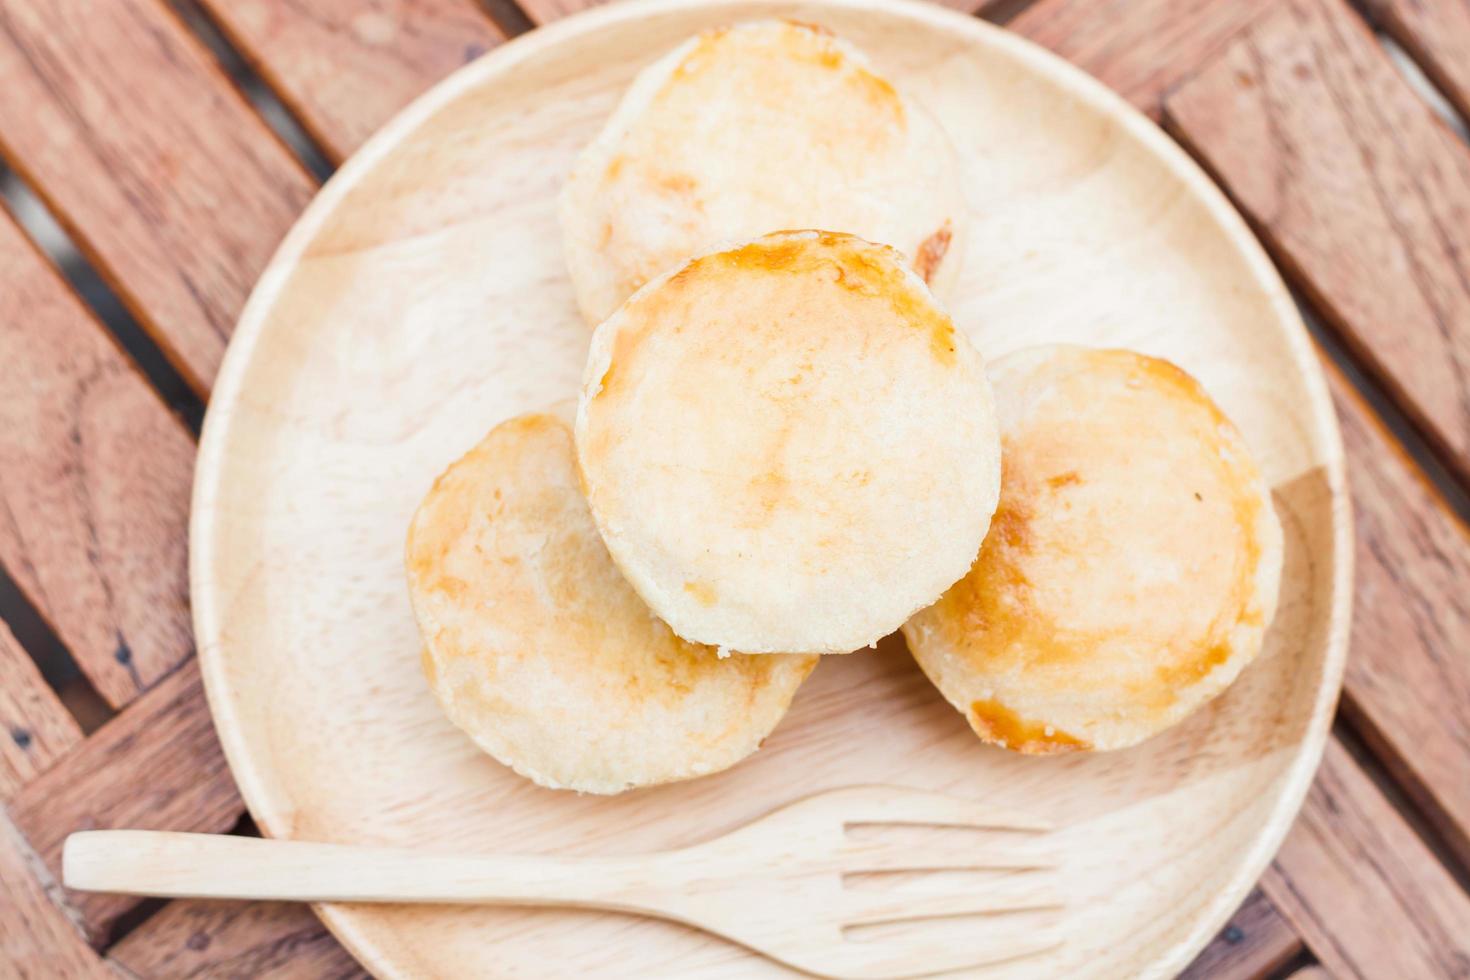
(747, 129)
(786, 444)
(1131, 567)
(537, 648)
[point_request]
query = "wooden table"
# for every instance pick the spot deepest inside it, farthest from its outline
(122, 116)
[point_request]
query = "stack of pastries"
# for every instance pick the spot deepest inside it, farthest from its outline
(783, 448)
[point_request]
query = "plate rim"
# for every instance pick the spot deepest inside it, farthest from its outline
(229, 382)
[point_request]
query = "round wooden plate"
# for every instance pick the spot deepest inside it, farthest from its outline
(422, 298)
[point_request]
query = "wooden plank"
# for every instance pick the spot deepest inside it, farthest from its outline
(1364, 891)
(1257, 943)
(158, 765)
(1436, 33)
(1408, 679)
(94, 482)
(260, 940)
(37, 940)
(1314, 972)
(1139, 48)
(345, 67)
(150, 157)
(1361, 192)
(34, 727)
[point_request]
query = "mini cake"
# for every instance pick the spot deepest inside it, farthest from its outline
(787, 446)
(1131, 568)
(747, 130)
(541, 653)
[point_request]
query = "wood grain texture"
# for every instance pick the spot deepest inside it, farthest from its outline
(1363, 890)
(777, 884)
(37, 939)
(156, 165)
(344, 67)
(1139, 48)
(94, 482)
(1408, 680)
(1436, 33)
(1316, 971)
(217, 940)
(439, 248)
(1257, 943)
(34, 726)
(1360, 190)
(546, 11)
(157, 765)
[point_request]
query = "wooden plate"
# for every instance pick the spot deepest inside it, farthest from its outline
(422, 298)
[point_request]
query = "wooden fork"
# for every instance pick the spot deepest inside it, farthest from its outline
(778, 885)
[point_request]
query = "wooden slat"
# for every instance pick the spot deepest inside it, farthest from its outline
(34, 727)
(1359, 189)
(94, 482)
(158, 765)
(1366, 894)
(1408, 678)
(1140, 48)
(1437, 34)
(261, 940)
(345, 67)
(37, 940)
(157, 166)
(1257, 943)
(1314, 972)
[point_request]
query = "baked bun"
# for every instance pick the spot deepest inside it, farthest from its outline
(787, 446)
(1130, 571)
(541, 653)
(746, 130)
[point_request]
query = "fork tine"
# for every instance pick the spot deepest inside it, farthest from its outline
(900, 960)
(898, 805)
(860, 856)
(1018, 893)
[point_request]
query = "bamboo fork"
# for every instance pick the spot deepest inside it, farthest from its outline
(777, 885)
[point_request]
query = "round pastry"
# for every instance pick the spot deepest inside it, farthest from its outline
(749, 129)
(541, 653)
(787, 446)
(1131, 568)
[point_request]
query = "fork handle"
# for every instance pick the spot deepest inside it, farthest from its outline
(176, 865)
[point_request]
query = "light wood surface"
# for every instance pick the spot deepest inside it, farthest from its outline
(1304, 112)
(345, 67)
(422, 299)
(788, 885)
